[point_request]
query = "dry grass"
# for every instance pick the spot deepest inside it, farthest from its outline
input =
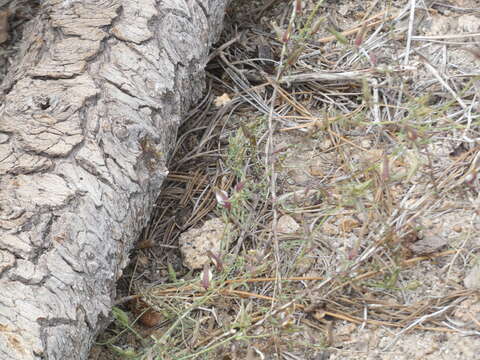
(366, 138)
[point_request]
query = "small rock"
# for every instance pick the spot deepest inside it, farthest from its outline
(195, 243)
(430, 243)
(457, 228)
(365, 143)
(472, 280)
(222, 100)
(287, 225)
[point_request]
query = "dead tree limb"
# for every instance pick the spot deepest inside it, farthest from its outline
(90, 113)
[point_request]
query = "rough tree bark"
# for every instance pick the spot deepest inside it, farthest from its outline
(90, 113)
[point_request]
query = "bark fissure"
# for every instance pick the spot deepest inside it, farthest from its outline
(204, 10)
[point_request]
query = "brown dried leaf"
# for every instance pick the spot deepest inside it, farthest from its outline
(348, 224)
(151, 318)
(145, 244)
(148, 318)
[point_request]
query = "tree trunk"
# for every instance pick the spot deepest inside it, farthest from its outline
(90, 113)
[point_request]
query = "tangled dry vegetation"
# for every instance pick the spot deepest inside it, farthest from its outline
(339, 143)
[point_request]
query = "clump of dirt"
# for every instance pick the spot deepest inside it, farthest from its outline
(197, 243)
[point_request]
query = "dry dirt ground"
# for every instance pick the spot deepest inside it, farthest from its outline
(323, 199)
(337, 153)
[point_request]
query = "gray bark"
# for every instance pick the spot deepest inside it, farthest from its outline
(89, 116)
